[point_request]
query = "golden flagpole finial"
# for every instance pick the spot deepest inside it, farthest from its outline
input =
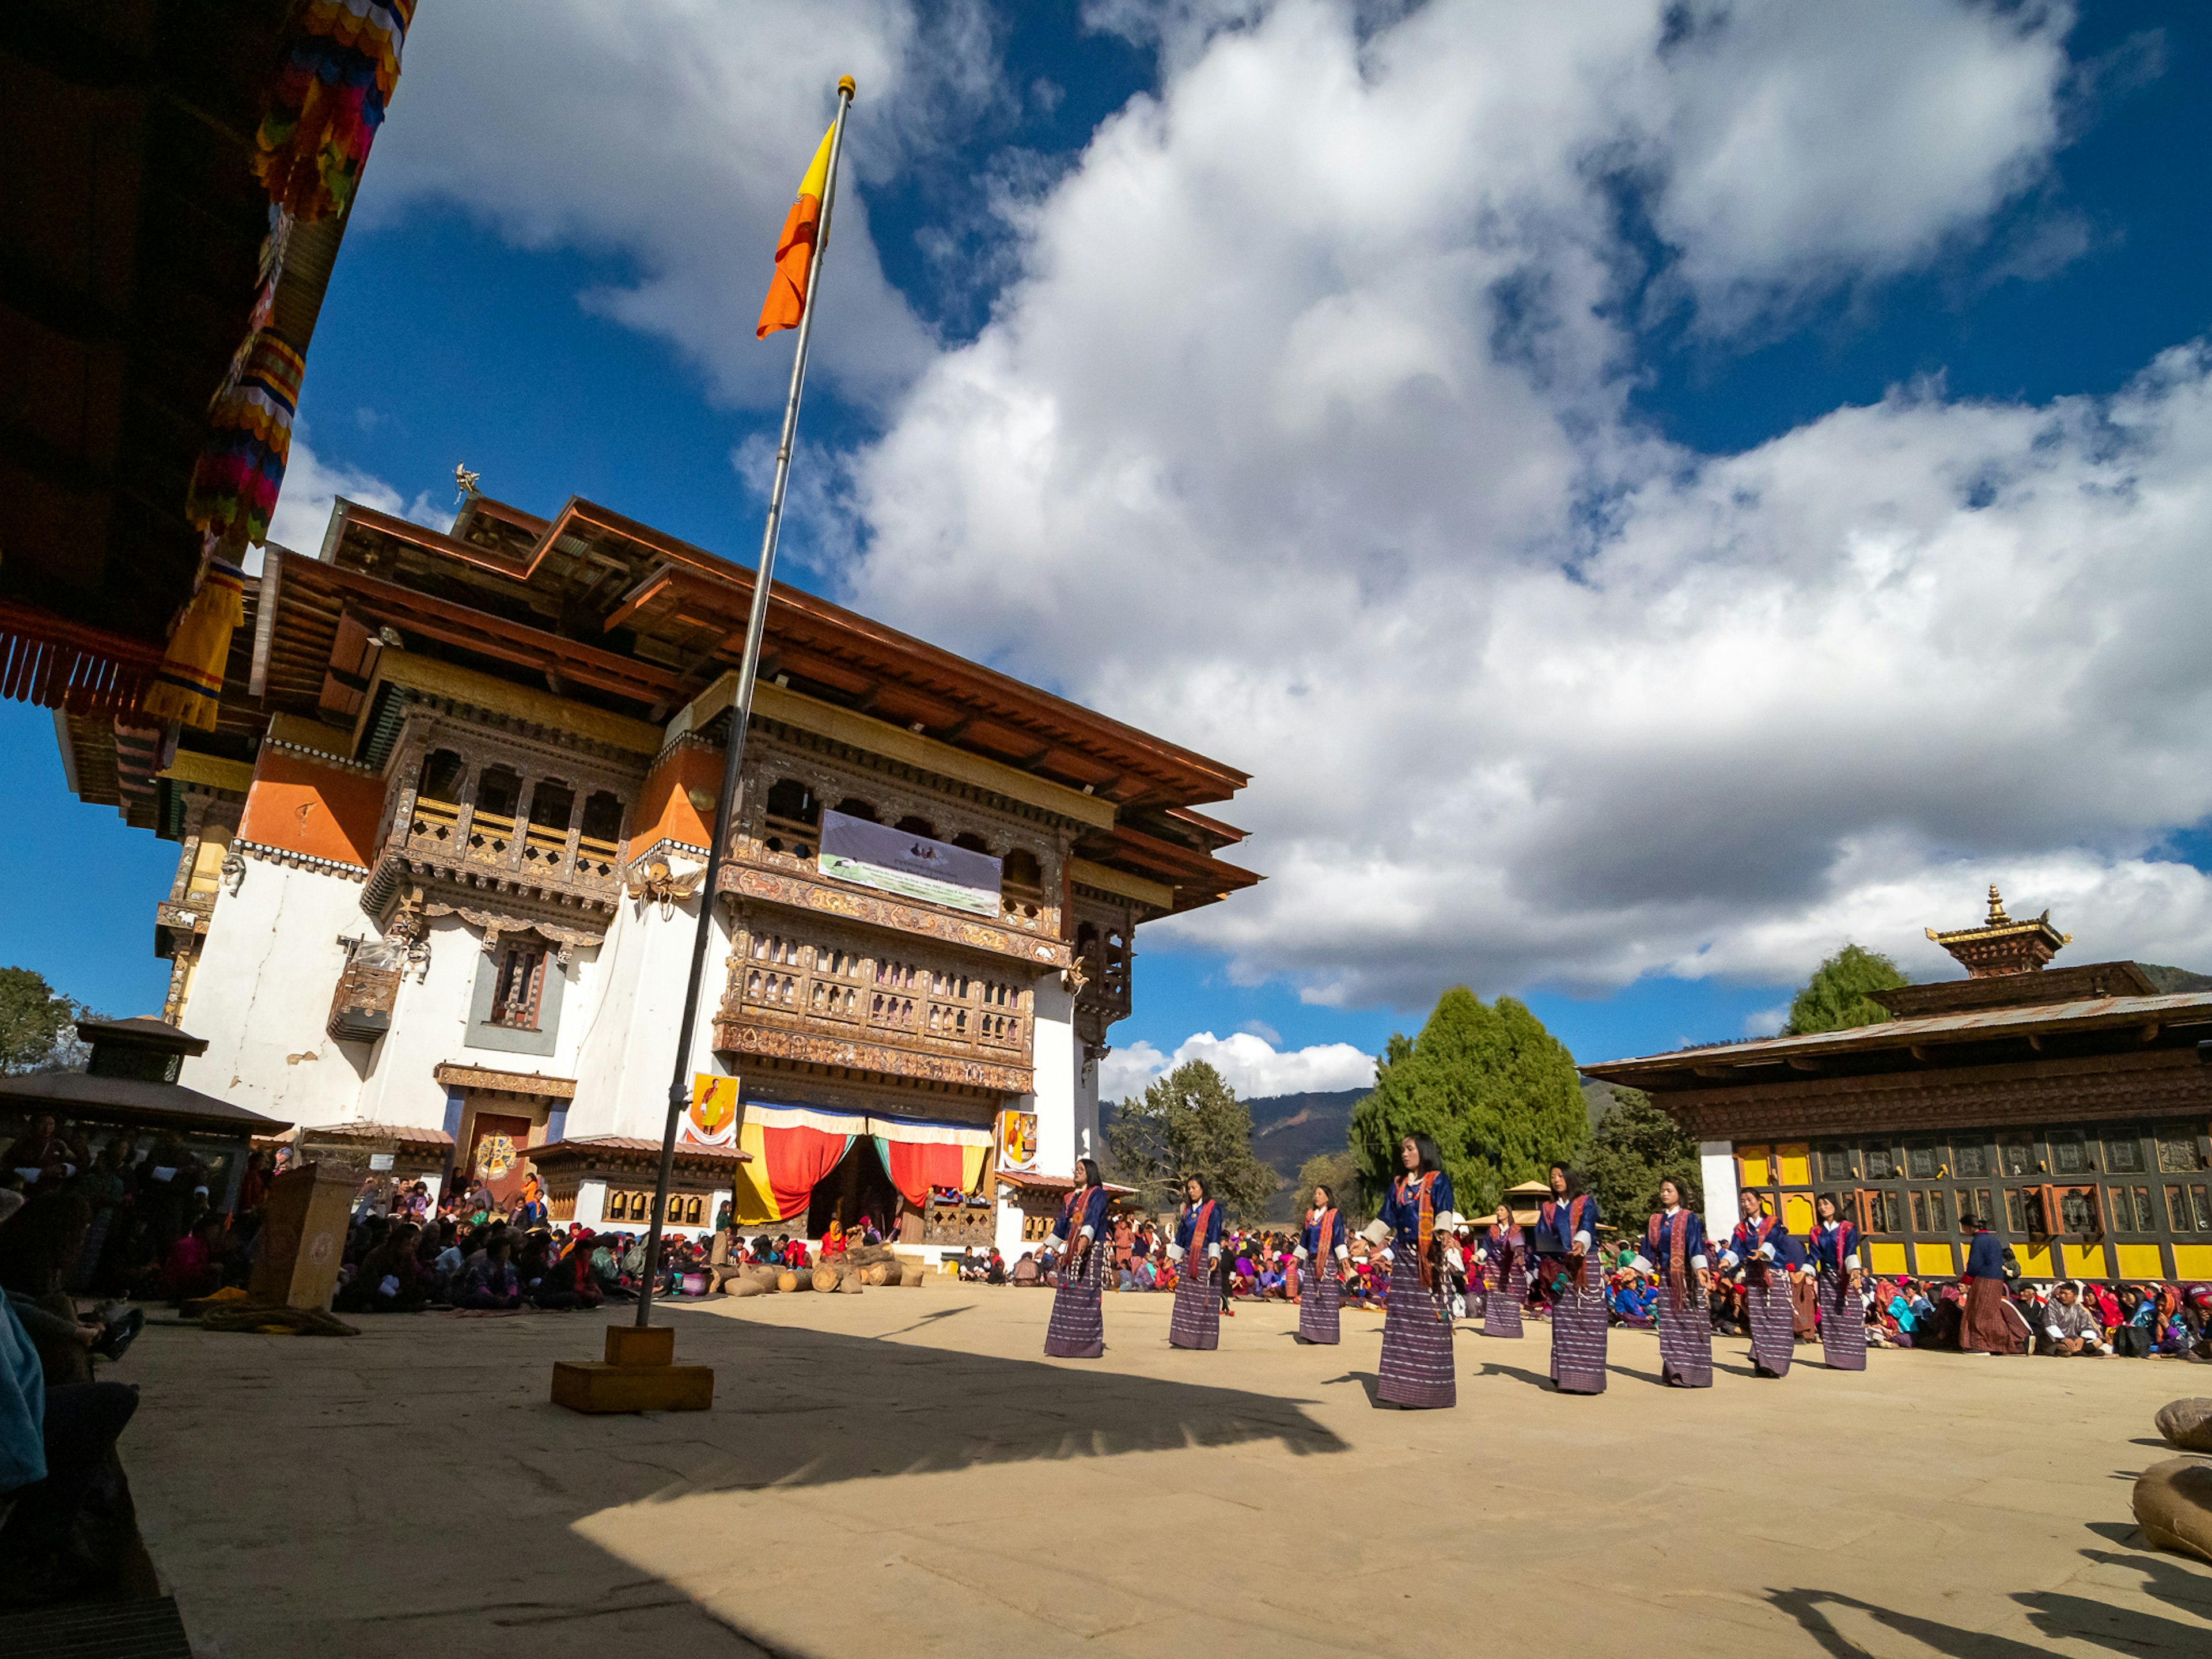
(848, 86)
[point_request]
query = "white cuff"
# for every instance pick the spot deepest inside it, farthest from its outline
(1640, 1264)
(1851, 1262)
(1174, 1252)
(1482, 1256)
(1342, 1253)
(1698, 1262)
(1390, 1253)
(1299, 1254)
(1728, 1258)
(1583, 1241)
(1213, 1253)
(2054, 1332)
(1086, 1232)
(1767, 1251)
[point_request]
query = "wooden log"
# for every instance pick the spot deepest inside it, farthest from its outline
(878, 1272)
(790, 1280)
(825, 1277)
(853, 1280)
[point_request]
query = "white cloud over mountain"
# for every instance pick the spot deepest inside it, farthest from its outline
(1255, 1067)
(1303, 435)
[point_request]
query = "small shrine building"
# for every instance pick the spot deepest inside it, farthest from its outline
(2066, 1108)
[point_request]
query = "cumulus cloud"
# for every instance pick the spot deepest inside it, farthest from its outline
(672, 136)
(1250, 1065)
(1304, 439)
(312, 487)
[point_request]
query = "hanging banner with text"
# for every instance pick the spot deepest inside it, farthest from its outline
(912, 866)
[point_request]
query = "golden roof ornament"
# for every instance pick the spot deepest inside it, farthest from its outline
(2001, 945)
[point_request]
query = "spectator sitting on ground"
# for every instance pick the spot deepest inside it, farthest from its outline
(996, 1273)
(2068, 1328)
(493, 1282)
(191, 1269)
(1026, 1271)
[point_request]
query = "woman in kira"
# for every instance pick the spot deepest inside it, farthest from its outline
(1195, 1321)
(1078, 1330)
(1505, 1258)
(1674, 1249)
(1566, 1225)
(1416, 1372)
(1836, 1259)
(1323, 1252)
(1763, 1248)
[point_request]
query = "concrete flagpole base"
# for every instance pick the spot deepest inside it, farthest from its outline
(640, 1374)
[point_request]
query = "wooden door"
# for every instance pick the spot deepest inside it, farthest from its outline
(495, 1146)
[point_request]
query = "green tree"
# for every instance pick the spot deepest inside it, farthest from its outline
(1496, 1092)
(1836, 997)
(1337, 1171)
(1636, 1145)
(34, 1022)
(1189, 1123)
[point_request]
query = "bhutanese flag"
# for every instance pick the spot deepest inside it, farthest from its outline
(795, 249)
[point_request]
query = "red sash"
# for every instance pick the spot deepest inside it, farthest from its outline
(1072, 1222)
(1200, 1222)
(1324, 1223)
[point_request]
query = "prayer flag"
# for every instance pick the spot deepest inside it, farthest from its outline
(795, 249)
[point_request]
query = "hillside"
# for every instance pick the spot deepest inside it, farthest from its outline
(1286, 1131)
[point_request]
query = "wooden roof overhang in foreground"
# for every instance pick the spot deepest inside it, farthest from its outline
(131, 231)
(2048, 1053)
(608, 615)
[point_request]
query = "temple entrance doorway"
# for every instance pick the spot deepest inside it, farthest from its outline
(859, 1186)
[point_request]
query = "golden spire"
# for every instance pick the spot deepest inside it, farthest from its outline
(1997, 916)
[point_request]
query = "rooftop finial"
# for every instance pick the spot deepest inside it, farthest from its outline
(1997, 916)
(464, 484)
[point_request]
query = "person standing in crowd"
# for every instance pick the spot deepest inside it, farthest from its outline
(1504, 1258)
(1416, 1372)
(1077, 1328)
(1195, 1320)
(1843, 1315)
(1988, 1322)
(1322, 1247)
(1674, 1249)
(1566, 1226)
(1767, 1254)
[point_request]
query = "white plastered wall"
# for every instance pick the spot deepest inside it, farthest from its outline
(1716, 1169)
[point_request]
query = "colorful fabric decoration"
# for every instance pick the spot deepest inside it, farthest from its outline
(914, 1167)
(340, 65)
(241, 465)
(188, 687)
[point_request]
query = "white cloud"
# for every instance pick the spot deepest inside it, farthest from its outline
(1767, 1021)
(673, 136)
(1251, 1065)
(1303, 439)
(312, 487)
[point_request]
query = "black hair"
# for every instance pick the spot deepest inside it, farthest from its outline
(1204, 1187)
(1322, 1186)
(1675, 1181)
(1424, 1151)
(1091, 1175)
(1836, 1204)
(1574, 1181)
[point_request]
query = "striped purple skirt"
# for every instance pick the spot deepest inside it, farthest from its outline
(1842, 1323)
(1078, 1330)
(1501, 1309)
(1686, 1341)
(1317, 1320)
(1773, 1323)
(1196, 1320)
(1578, 1333)
(1417, 1343)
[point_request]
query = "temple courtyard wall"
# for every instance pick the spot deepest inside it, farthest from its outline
(902, 1472)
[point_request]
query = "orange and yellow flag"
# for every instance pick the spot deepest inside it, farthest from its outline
(795, 249)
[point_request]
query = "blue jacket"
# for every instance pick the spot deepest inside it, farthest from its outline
(1985, 1257)
(1402, 1209)
(1827, 1236)
(1558, 1224)
(1789, 1249)
(1094, 1215)
(1310, 1240)
(22, 1406)
(1187, 1223)
(1659, 1250)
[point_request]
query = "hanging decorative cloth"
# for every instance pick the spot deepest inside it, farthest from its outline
(188, 687)
(241, 467)
(340, 65)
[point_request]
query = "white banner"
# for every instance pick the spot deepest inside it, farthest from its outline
(912, 866)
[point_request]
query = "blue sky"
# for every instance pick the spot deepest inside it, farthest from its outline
(1526, 567)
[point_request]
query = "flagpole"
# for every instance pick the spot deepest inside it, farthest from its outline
(733, 749)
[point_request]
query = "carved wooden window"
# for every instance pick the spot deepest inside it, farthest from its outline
(793, 819)
(765, 978)
(2066, 1156)
(852, 808)
(2024, 1213)
(911, 825)
(1880, 1163)
(520, 987)
(438, 797)
(2124, 1153)
(491, 829)
(599, 840)
(1021, 882)
(1931, 1211)
(2130, 1208)
(1969, 1160)
(546, 841)
(1035, 1227)
(2176, 1149)
(1920, 1163)
(631, 1205)
(1880, 1212)
(2019, 1154)
(972, 842)
(1835, 1164)
(1974, 1204)
(2077, 1211)
(2189, 1209)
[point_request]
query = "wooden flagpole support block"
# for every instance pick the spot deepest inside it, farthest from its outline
(640, 1374)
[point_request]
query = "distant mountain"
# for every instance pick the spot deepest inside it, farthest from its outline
(1286, 1131)
(2172, 982)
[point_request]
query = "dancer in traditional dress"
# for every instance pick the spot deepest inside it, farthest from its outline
(1322, 1253)
(1195, 1321)
(1674, 1249)
(1078, 1330)
(1843, 1315)
(1417, 1330)
(1504, 1256)
(1763, 1247)
(1988, 1322)
(1566, 1224)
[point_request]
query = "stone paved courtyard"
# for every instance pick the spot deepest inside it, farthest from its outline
(901, 1472)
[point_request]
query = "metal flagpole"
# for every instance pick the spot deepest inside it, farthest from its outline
(733, 751)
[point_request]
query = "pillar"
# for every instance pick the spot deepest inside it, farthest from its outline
(1716, 1170)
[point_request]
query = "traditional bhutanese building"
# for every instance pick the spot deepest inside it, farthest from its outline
(2068, 1108)
(441, 861)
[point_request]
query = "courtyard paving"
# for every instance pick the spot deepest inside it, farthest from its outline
(901, 1472)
